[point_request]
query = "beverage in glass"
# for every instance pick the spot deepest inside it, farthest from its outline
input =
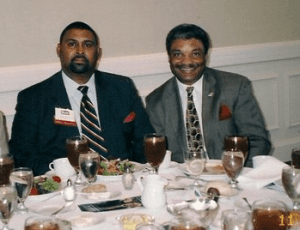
(291, 181)
(269, 214)
(233, 162)
(75, 146)
(6, 166)
(155, 149)
(89, 164)
(22, 180)
(237, 143)
(8, 201)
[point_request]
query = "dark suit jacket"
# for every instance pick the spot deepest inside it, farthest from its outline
(219, 89)
(36, 140)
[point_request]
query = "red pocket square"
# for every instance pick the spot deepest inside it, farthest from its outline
(130, 117)
(224, 113)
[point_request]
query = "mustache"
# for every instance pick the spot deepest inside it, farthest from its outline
(80, 56)
(185, 66)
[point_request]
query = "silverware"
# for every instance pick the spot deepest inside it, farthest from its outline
(246, 200)
(69, 194)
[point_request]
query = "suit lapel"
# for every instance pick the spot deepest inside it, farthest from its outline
(175, 113)
(59, 97)
(209, 103)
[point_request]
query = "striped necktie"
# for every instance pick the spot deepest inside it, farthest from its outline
(89, 122)
(193, 131)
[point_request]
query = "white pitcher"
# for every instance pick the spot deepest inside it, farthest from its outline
(153, 193)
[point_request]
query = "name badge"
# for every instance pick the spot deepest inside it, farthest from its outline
(64, 117)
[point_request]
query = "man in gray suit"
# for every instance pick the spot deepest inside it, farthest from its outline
(223, 100)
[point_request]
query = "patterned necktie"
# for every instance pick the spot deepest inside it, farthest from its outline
(89, 122)
(193, 131)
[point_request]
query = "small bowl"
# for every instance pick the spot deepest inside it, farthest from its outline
(131, 220)
(206, 209)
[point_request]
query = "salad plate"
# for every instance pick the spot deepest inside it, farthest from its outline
(45, 187)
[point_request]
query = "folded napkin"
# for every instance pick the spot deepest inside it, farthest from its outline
(268, 170)
(167, 161)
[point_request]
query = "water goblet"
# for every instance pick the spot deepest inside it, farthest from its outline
(8, 201)
(89, 164)
(22, 180)
(237, 143)
(234, 219)
(195, 161)
(75, 146)
(233, 162)
(291, 182)
(155, 150)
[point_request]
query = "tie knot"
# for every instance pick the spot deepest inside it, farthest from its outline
(189, 90)
(83, 89)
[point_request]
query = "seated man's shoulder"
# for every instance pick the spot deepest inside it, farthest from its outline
(228, 77)
(41, 87)
(161, 91)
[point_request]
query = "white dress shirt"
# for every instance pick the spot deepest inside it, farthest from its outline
(197, 96)
(75, 96)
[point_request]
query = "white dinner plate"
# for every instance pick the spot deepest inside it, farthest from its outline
(109, 194)
(214, 170)
(49, 208)
(84, 220)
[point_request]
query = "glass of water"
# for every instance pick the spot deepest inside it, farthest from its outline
(22, 180)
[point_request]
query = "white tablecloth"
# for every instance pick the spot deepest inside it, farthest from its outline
(161, 216)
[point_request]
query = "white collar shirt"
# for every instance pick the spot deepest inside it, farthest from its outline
(75, 96)
(197, 96)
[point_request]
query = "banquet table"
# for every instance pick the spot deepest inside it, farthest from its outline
(108, 220)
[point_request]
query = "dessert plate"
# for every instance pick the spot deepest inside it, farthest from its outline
(214, 170)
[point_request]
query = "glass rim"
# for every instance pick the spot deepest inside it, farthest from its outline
(147, 135)
(21, 168)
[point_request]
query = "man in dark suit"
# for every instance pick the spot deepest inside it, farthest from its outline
(224, 101)
(49, 112)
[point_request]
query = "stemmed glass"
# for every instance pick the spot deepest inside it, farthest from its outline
(155, 149)
(75, 146)
(237, 143)
(291, 181)
(8, 200)
(22, 180)
(89, 164)
(233, 162)
(195, 161)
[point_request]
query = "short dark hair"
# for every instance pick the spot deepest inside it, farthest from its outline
(79, 25)
(188, 31)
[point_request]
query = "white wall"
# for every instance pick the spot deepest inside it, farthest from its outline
(274, 69)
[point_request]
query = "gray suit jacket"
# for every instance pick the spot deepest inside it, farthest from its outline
(241, 115)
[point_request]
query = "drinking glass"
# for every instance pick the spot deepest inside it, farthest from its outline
(234, 219)
(6, 166)
(8, 201)
(195, 163)
(22, 180)
(296, 157)
(89, 164)
(155, 149)
(237, 143)
(291, 181)
(269, 214)
(75, 146)
(233, 162)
